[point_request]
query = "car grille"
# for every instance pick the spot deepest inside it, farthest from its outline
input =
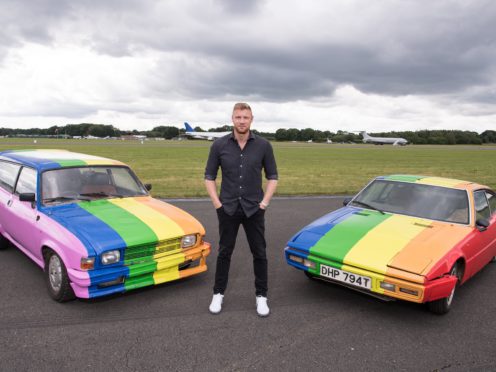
(146, 252)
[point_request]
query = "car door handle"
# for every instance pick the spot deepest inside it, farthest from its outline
(9, 203)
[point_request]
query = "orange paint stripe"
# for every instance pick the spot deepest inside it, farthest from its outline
(427, 248)
(185, 221)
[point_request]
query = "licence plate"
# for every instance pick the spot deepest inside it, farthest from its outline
(346, 277)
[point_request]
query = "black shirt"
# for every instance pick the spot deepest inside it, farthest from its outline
(241, 171)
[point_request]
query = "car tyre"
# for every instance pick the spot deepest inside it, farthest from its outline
(57, 279)
(443, 305)
(4, 243)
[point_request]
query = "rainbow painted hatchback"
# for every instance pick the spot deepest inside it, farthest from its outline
(403, 237)
(92, 225)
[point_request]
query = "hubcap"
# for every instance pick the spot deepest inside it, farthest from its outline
(55, 273)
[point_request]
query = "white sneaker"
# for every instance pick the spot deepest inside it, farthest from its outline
(262, 308)
(216, 304)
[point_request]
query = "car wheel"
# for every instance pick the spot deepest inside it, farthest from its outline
(57, 279)
(443, 305)
(4, 243)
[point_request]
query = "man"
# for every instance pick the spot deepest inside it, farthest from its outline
(241, 156)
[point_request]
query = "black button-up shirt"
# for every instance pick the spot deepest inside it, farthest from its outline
(241, 171)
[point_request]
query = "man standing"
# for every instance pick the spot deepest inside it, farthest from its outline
(241, 156)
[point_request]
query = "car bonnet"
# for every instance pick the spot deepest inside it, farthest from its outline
(379, 242)
(119, 223)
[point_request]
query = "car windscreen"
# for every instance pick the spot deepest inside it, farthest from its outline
(414, 199)
(88, 183)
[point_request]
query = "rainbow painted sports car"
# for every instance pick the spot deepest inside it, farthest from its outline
(92, 225)
(403, 237)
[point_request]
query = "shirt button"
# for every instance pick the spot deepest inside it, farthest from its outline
(240, 176)
(240, 187)
(241, 155)
(239, 198)
(241, 166)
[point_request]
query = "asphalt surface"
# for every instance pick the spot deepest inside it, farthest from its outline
(313, 325)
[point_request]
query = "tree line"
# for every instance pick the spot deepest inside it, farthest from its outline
(438, 137)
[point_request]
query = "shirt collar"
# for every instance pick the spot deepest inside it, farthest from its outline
(251, 137)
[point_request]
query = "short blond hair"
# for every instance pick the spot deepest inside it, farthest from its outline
(241, 106)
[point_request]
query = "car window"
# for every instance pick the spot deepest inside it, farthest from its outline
(69, 185)
(492, 201)
(8, 175)
(481, 205)
(419, 200)
(27, 181)
(124, 180)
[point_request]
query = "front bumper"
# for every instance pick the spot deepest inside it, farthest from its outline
(117, 279)
(413, 289)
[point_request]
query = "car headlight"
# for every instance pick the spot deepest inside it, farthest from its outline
(110, 257)
(188, 241)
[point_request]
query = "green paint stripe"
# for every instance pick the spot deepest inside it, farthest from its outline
(70, 163)
(141, 281)
(131, 229)
(336, 244)
(404, 178)
(141, 269)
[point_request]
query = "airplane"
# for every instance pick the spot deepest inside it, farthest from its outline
(383, 140)
(203, 135)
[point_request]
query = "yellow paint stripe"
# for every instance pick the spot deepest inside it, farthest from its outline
(376, 249)
(438, 181)
(101, 162)
(163, 226)
(166, 275)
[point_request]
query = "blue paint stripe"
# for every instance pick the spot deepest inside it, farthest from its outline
(40, 164)
(310, 235)
(103, 237)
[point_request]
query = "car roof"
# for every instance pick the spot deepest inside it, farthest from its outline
(53, 159)
(434, 181)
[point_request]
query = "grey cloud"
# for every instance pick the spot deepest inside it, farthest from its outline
(409, 48)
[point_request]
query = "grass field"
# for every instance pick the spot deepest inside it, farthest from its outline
(175, 168)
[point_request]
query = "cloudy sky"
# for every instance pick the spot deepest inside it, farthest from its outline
(326, 64)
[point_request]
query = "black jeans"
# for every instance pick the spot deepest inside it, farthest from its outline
(254, 227)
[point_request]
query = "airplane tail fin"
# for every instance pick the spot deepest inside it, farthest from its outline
(188, 127)
(364, 135)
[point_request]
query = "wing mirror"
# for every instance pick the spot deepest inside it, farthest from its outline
(27, 197)
(346, 201)
(148, 186)
(482, 224)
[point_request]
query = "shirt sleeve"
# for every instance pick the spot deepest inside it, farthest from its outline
(213, 163)
(269, 163)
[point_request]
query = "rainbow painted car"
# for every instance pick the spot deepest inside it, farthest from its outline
(402, 237)
(92, 225)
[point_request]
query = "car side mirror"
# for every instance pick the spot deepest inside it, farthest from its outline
(148, 186)
(346, 201)
(27, 197)
(482, 224)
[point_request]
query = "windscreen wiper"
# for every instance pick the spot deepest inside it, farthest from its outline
(367, 206)
(63, 198)
(101, 193)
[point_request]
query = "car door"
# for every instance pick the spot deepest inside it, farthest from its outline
(8, 176)
(483, 246)
(23, 215)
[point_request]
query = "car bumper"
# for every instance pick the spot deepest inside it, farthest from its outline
(417, 290)
(117, 279)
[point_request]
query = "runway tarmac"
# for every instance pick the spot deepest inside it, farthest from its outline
(312, 326)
